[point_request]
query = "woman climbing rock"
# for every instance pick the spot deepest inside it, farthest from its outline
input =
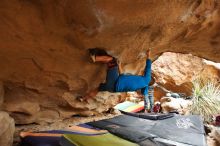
(117, 82)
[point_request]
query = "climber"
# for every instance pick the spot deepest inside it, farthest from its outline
(149, 98)
(115, 81)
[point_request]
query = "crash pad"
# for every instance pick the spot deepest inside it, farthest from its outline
(187, 130)
(128, 106)
(96, 140)
(184, 129)
(150, 116)
(86, 130)
(53, 137)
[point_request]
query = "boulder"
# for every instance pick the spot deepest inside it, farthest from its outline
(215, 133)
(169, 104)
(26, 112)
(23, 111)
(22, 106)
(213, 138)
(102, 102)
(7, 127)
(175, 72)
(43, 46)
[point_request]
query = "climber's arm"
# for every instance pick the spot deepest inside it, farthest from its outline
(119, 67)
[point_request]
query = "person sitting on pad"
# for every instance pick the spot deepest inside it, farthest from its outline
(117, 82)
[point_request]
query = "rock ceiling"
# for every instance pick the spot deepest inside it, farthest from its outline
(43, 45)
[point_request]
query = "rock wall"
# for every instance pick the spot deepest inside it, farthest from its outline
(2, 92)
(43, 45)
(7, 127)
(27, 110)
(176, 71)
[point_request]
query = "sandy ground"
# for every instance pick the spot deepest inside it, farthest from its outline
(62, 124)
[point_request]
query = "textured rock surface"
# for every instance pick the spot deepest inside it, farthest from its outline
(29, 110)
(216, 134)
(7, 127)
(2, 92)
(214, 137)
(43, 44)
(176, 72)
(169, 104)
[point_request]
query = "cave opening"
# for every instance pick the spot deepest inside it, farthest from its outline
(46, 69)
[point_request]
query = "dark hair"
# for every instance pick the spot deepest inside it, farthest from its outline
(98, 51)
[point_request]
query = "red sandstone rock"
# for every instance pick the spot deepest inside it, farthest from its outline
(43, 43)
(1, 94)
(7, 127)
(176, 72)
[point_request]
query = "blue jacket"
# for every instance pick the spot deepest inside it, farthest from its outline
(134, 82)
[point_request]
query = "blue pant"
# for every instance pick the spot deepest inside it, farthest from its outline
(124, 83)
(149, 98)
(111, 79)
